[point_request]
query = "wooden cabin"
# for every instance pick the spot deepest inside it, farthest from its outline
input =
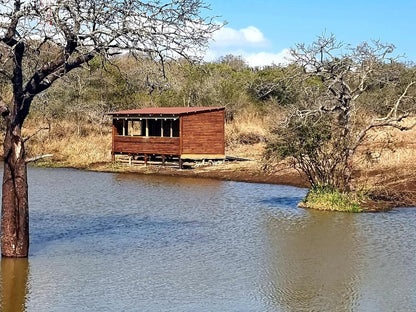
(183, 132)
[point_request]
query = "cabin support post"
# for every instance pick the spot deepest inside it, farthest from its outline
(113, 157)
(163, 160)
(130, 157)
(180, 163)
(145, 159)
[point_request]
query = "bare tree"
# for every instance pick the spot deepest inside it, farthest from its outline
(41, 41)
(332, 115)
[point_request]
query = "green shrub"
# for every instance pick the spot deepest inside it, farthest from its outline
(327, 198)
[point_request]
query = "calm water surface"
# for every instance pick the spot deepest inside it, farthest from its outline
(110, 242)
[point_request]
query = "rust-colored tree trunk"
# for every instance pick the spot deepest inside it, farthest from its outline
(15, 209)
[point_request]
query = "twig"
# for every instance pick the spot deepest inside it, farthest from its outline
(31, 136)
(33, 159)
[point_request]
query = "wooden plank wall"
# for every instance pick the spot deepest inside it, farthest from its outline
(117, 130)
(203, 133)
(146, 145)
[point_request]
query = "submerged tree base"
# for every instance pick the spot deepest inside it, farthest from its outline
(329, 199)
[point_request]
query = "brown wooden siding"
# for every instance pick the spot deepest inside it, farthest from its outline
(146, 145)
(117, 124)
(203, 133)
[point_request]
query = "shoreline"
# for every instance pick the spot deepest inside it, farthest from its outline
(246, 171)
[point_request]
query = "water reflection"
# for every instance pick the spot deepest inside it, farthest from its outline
(14, 276)
(312, 262)
(108, 242)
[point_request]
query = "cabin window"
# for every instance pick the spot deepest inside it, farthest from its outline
(130, 127)
(142, 127)
(155, 127)
(167, 125)
(118, 127)
(175, 128)
(133, 128)
(167, 128)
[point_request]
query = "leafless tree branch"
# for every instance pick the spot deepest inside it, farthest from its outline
(33, 159)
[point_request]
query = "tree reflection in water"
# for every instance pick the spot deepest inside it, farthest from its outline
(14, 276)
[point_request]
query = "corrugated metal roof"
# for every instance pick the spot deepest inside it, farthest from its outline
(160, 111)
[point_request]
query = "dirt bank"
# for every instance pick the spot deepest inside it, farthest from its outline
(385, 186)
(242, 171)
(391, 187)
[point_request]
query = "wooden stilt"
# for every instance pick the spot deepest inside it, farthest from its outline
(163, 160)
(145, 159)
(180, 163)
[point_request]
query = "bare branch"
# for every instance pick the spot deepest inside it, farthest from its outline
(34, 134)
(11, 31)
(33, 159)
(393, 111)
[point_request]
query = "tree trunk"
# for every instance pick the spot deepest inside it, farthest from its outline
(15, 208)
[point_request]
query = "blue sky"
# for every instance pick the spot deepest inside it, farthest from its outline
(262, 31)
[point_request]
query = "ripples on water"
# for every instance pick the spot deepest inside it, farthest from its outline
(108, 242)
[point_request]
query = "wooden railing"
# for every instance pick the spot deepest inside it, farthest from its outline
(146, 145)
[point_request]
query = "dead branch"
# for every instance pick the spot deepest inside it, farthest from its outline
(393, 112)
(34, 134)
(34, 159)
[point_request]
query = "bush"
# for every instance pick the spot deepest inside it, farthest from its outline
(329, 199)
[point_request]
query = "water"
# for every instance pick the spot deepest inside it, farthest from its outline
(110, 242)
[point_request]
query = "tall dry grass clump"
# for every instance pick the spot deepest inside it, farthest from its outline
(386, 163)
(70, 144)
(246, 128)
(246, 134)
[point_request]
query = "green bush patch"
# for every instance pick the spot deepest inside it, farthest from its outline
(327, 198)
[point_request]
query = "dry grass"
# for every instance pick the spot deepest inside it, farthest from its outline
(386, 163)
(246, 129)
(67, 145)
